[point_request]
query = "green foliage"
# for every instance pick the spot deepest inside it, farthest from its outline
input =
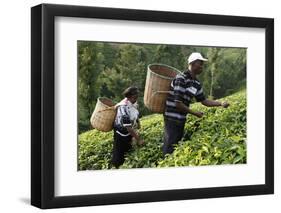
(219, 137)
(129, 69)
(169, 54)
(225, 71)
(95, 150)
(90, 65)
(150, 153)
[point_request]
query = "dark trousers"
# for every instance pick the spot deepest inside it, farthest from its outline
(121, 145)
(173, 132)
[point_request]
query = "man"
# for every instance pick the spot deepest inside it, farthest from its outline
(184, 87)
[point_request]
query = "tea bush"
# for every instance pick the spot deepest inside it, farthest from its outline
(219, 137)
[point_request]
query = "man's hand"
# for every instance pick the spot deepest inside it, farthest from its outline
(199, 114)
(225, 104)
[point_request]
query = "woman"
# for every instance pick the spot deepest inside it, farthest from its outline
(127, 119)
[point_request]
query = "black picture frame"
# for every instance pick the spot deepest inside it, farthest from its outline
(43, 105)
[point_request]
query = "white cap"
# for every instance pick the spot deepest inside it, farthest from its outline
(194, 57)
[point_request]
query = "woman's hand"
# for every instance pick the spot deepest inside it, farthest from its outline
(135, 135)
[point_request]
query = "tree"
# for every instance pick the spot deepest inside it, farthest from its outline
(171, 55)
(129, 70)
(90, 65)
(213, 60)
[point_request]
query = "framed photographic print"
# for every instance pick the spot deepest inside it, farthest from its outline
(139, 106)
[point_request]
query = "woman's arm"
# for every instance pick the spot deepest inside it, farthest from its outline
(135, 135)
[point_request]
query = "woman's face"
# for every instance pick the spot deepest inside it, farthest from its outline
(133, 99)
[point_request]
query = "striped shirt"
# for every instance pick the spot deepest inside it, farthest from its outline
(183, 89)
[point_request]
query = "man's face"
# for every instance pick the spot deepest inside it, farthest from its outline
(197, 66)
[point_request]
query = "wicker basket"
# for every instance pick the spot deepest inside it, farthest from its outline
(103, 116)
(157, 86)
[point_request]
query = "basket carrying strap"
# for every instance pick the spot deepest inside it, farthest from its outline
(156, 93)
(109, 108)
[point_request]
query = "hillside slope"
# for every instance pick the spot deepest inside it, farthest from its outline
(219, 137)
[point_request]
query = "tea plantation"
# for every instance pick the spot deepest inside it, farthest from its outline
(219, 137)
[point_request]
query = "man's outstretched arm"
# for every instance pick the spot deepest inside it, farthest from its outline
(211, 103)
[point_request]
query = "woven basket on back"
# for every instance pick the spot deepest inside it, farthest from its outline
(157, 86)
(104, 114)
